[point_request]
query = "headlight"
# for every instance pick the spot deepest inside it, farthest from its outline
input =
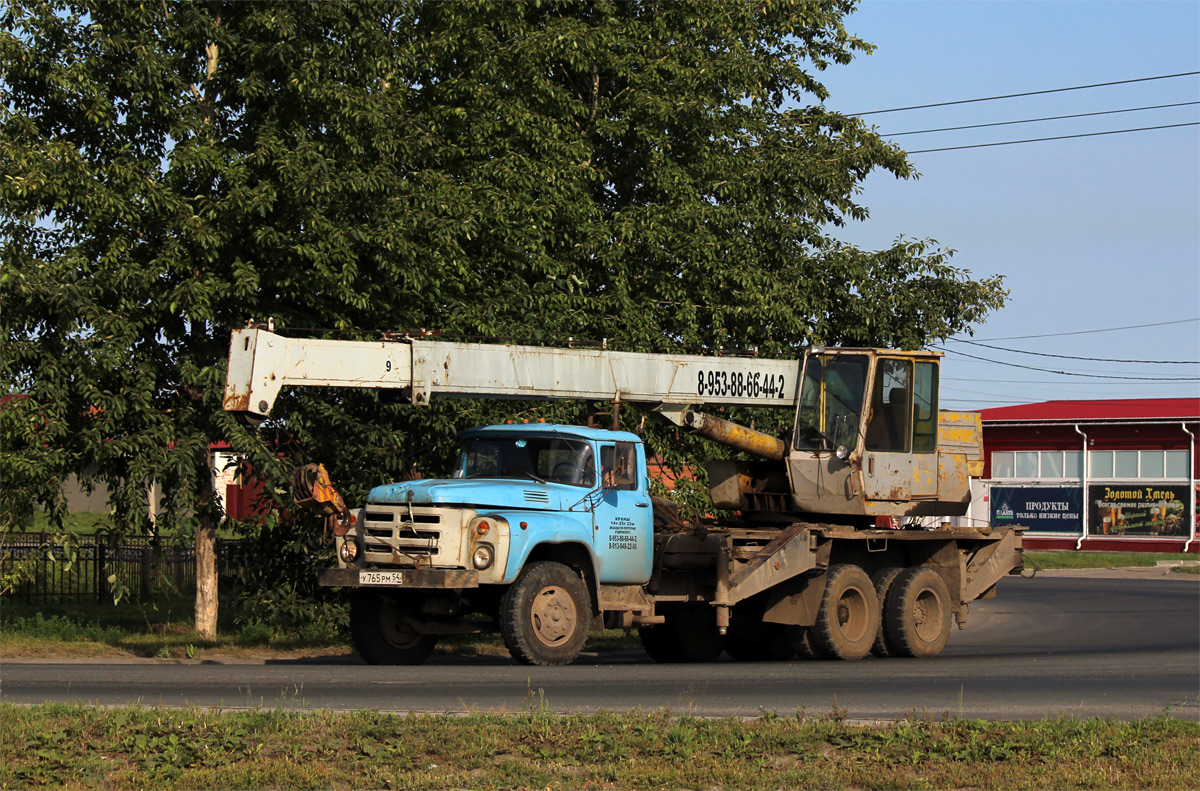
(348, 551)
(481, 558)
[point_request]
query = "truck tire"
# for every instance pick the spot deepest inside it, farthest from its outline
(848, 618)
(660, 644)
(695, 630)
(803, 644)
(689, 634)
(917, 613)
(883, 580)
(751, 639)
(545, 615)
(383, 633)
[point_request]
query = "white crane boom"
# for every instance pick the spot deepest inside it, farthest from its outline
(261, 363)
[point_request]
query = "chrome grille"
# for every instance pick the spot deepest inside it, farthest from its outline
(421, 534)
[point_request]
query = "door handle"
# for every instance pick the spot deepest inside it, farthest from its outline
(642, 505)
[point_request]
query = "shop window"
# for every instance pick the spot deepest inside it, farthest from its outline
(1100, 463)
(1125, 465)
(1175, 464)
(1072, 464)
(1027, 464)
(1151, 462)
(1002, 464)
(1105, 464)
(1052, 464)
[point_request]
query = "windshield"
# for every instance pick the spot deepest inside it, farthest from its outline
(536, 458)
(831, 401)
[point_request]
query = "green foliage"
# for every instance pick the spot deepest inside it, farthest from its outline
(61, 628)
(661, 175)
(1067, 559)
(70, 746)
(276, 587)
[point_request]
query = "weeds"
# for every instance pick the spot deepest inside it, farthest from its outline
(1067, 559)
(79, 747)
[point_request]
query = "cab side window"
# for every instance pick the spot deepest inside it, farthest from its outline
(890, 423)
(618, 466)
(925, 413)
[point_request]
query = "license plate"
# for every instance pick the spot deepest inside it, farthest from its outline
(381, 578)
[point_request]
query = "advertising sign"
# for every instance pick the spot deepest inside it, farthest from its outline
(1129, 509)
(1056, 509)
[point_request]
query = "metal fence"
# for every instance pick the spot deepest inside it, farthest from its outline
(97, 569)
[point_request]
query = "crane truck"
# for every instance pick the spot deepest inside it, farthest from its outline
(550, 530)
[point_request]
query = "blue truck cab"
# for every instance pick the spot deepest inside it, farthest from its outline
(534, 521)
(518, 487)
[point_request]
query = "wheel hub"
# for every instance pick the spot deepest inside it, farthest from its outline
(554, 615)
(396, 628)
(852, 614)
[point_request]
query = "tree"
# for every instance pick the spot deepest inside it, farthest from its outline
(662, 175)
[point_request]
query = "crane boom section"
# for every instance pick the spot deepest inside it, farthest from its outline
(261, 363)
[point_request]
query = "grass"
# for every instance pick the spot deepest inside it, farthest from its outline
(75, 747)
(1068, 559)
(165, 630)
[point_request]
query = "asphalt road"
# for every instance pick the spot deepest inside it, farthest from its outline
(1116, 645)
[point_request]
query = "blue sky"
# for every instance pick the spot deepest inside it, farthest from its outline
(1091, 233)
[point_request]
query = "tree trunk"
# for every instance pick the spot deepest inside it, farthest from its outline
(206, 577)
(206, 548)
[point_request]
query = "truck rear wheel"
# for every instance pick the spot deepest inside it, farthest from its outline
(883, 580)
(751, 639)
(660, 643)
(917, 613)
(383, 632)
(689, 634)
(803, 644)
(545, 615)
(695, 630)
(848, 618)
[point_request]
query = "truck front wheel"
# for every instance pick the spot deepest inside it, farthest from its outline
(545, 615)
(384, 634)
(917, 613)
(848, 618)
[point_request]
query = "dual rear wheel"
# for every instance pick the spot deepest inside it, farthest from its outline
(895, 612)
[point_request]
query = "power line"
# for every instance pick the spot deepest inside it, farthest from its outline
(1036, 120)
(1074, 373)
(1089, 359)
(1029, 93)
(1042, 383)
(1058, 137)
(1092, 332)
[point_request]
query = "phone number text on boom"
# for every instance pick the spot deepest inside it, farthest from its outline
(739, 385)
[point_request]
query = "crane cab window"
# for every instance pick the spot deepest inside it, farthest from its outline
(831, 401)
(903, 407)
(925, 408)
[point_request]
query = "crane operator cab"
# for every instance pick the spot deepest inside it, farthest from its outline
(866, 439)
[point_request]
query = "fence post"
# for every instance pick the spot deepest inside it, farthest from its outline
(101, 570)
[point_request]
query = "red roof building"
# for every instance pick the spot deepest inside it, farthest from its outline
(1101, 475)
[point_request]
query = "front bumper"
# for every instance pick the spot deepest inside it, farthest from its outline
(453, 579)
